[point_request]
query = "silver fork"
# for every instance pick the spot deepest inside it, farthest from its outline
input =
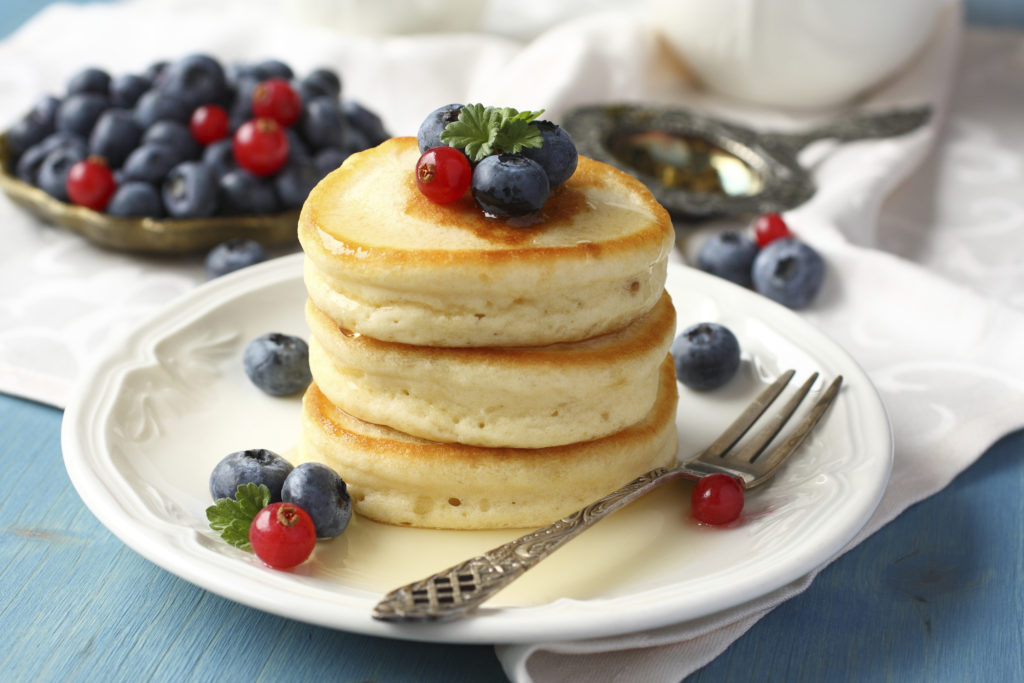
(458, 590)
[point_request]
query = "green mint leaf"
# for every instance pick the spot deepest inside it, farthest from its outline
(481, 131)
(516, 135)
(231, 518)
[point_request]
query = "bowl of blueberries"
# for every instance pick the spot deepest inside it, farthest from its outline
(185, 155)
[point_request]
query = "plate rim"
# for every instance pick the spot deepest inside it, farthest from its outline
(492, 626)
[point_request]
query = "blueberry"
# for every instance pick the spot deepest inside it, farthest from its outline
(114, 136)
(328, 159)
(90, 79)
(126, 89)
(254, 466)
(368, 123)
(190, 191)
(220, 157)
(53, 171)
(274, 68)
(25, 133)
(242, 192)
(155, 105)
(706, 356)
(356, 140)
(232, 255)
(175, 135)
(557, 154)
(154, 73)
(507, 185)
(196, 80)
(429, 134)
(44, 111)
(305, 92)
(27, 168)
(135, 198)
(235, 72)
(28, 163)
(294, 182)
(38, 123)
(788, 271)
(278, 364)
(318, 490)
(322, 124)
(298, 150)
(78, 113)
(150, 163)
(322, 82)
(240, 109)
(730, 255)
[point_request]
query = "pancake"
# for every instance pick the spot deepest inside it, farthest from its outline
(400, 479)
(384, 261)
(526, 397)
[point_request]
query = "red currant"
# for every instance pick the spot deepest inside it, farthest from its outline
(90, 183)
(717, 499)
(282, 535)
(770, 227)
(443, 174)
(209, 123)
(260, 146)
(274, 98)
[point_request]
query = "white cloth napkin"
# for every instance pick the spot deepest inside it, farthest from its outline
(924, 288)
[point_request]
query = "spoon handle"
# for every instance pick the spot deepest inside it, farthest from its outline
(857, 126)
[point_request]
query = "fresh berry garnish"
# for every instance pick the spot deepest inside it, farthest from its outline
(275, 98)
(706, 356)
(232, 517)
(278, 364)
(788, 271)
(318, 490)
(729, 255)
(509, 185)
(91, 183)
(482, 131)
(282, 535)
(254, 466)
(260, 146)
(717, 499)
(770, 227)
(209, 123)
(443, 174)
(557, 153)
(429, 134)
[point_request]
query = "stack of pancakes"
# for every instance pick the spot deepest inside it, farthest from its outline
(470, 372)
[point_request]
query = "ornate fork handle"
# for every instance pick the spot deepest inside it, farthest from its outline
(468, 584)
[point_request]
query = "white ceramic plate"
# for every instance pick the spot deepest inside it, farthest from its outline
(164, 404)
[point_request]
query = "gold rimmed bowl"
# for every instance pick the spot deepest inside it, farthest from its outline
(145, 235)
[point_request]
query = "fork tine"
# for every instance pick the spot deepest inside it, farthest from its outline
(752, 449)
(774, 460)
(739, 427)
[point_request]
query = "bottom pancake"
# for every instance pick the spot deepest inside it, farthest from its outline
(400, 479)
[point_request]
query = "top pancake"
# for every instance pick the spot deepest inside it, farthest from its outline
(385, 261)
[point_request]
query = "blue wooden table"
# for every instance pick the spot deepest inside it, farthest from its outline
(937, 595)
